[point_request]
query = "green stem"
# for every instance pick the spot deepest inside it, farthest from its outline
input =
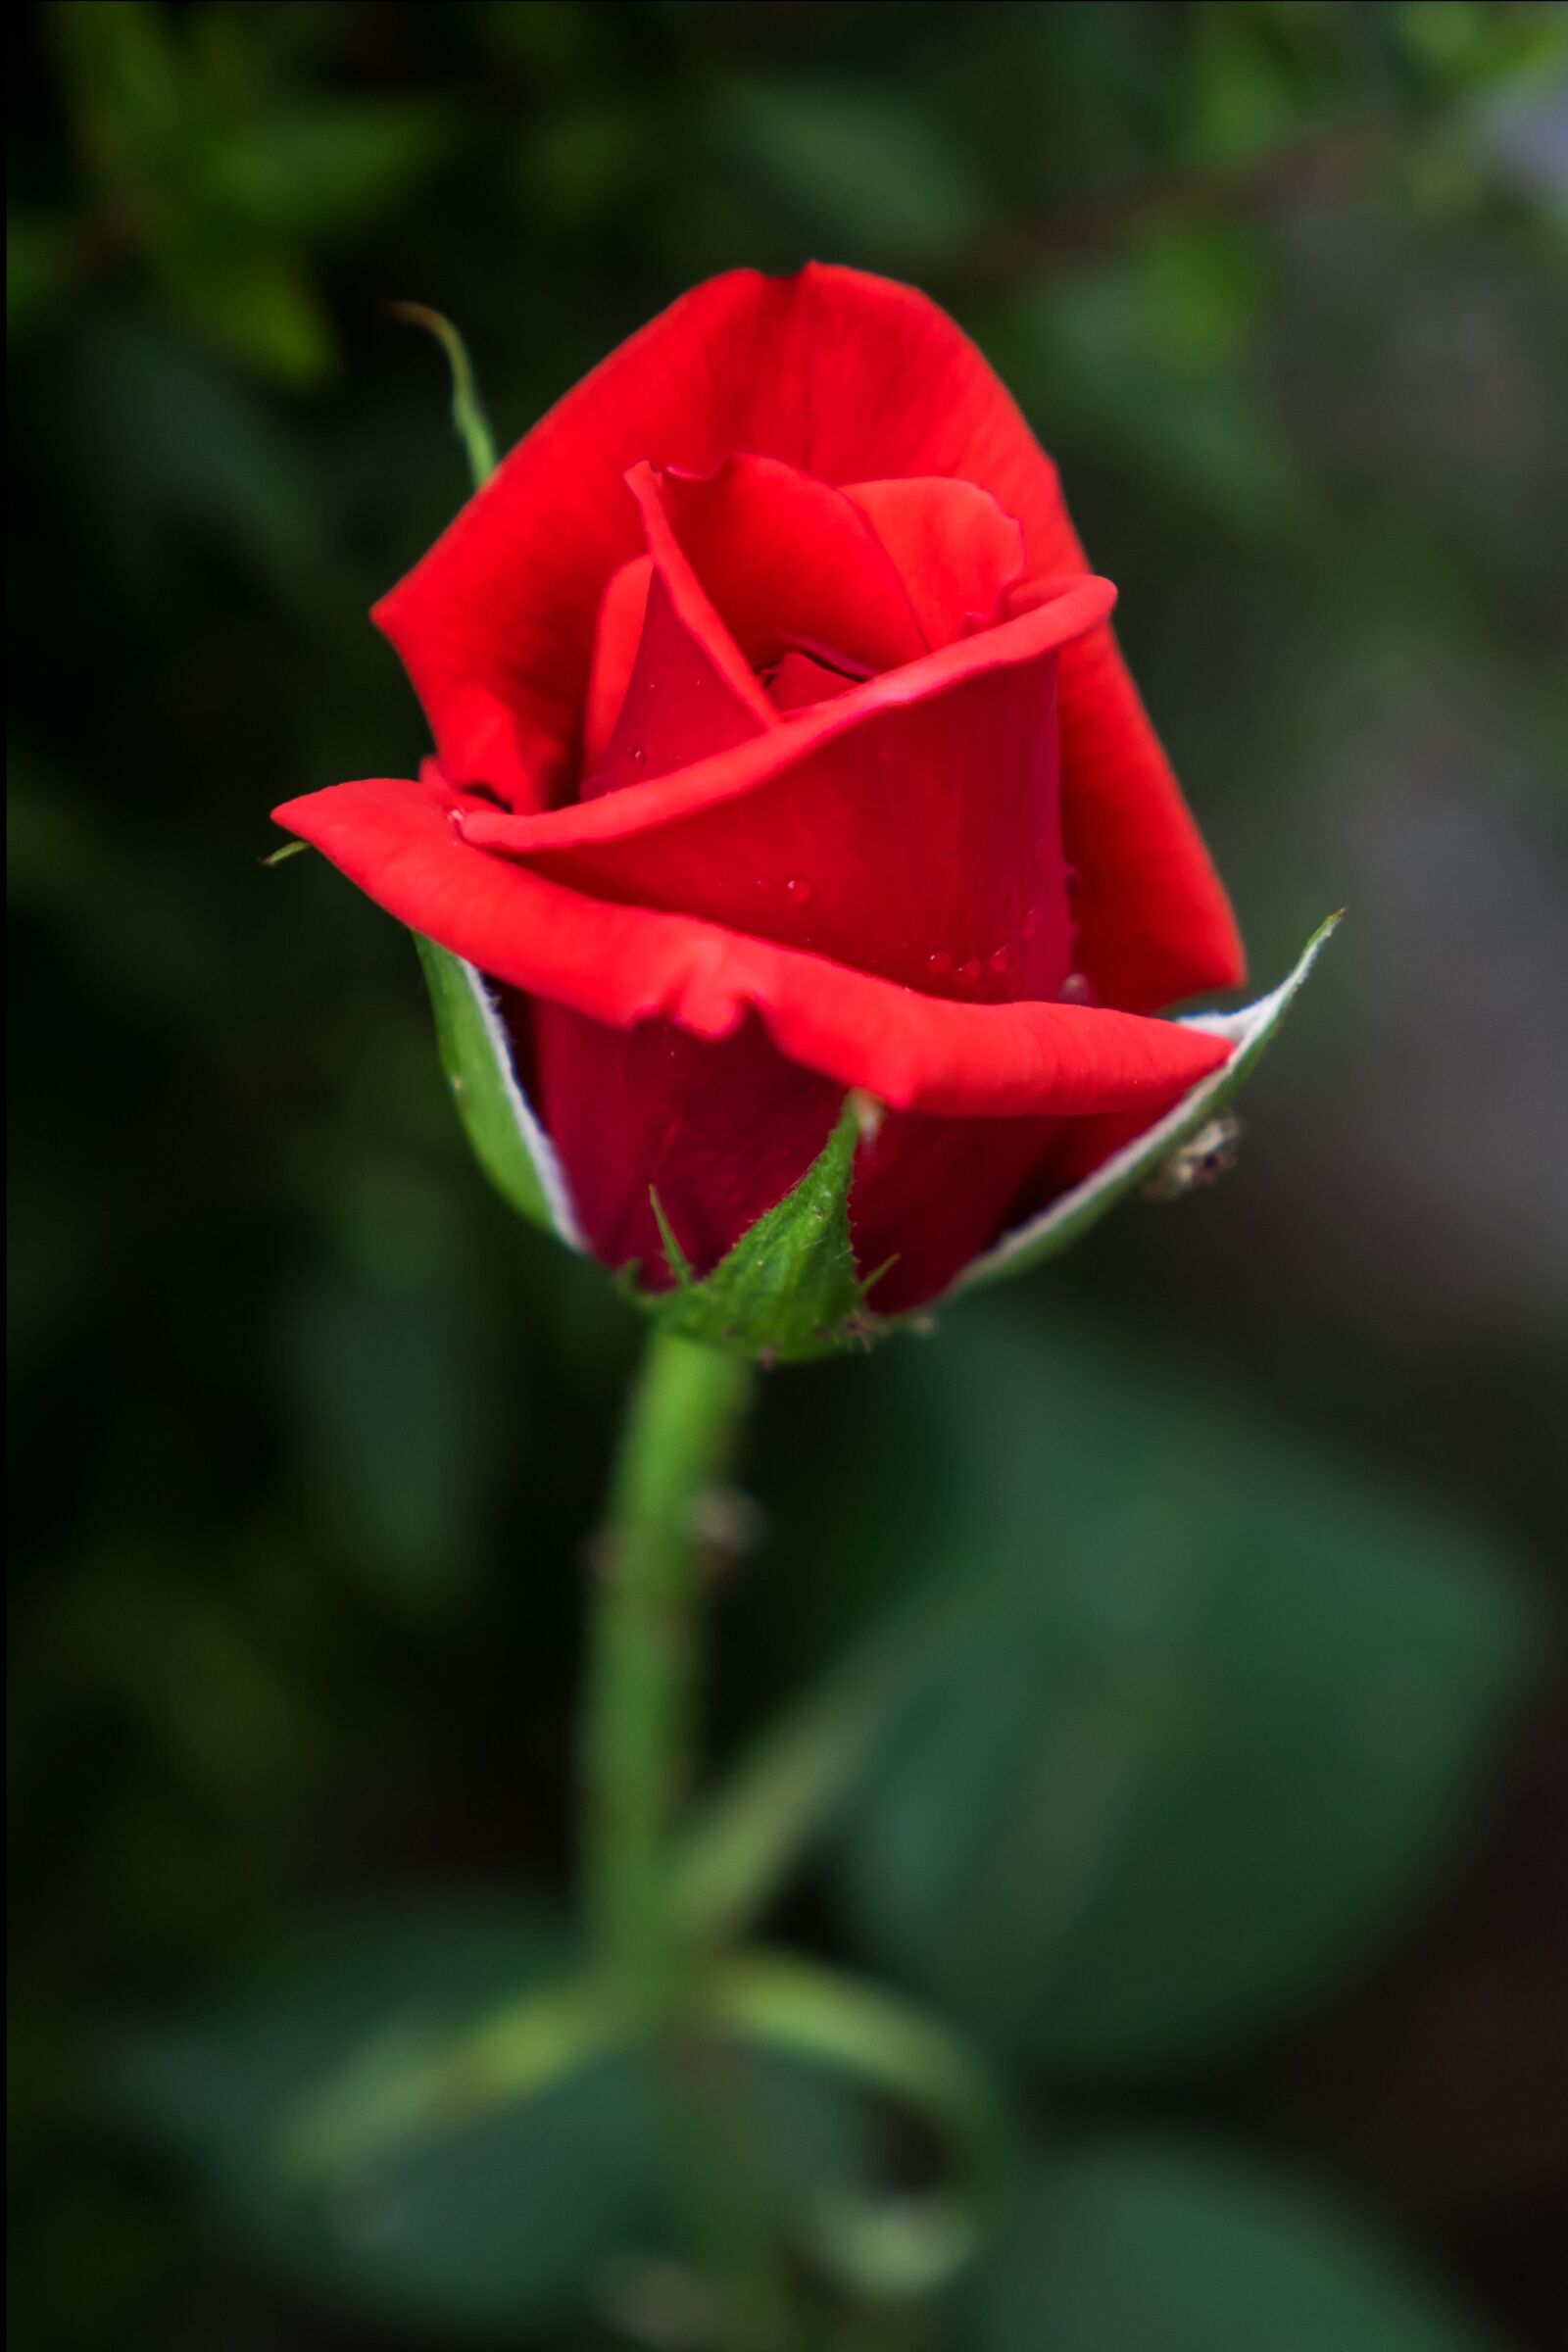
(680, 1425)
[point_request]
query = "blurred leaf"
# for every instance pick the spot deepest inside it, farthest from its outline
(1147, 2245)
(249, 298)
(1462, 47)
(473, 2231)
(157, 439)
(1213, 1711)
(1255, 77)
(524, 2212)
(1155, 356)
(38, 268)
(319, 168)
(868, 170)
(391, 1376)
(127, 82)
(223, 180)
(584, 161)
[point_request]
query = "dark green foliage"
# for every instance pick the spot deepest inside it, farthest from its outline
(1149, 2245)
(1199, 1721)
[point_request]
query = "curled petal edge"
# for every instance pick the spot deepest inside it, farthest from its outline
(397, 839)
(1078, 605)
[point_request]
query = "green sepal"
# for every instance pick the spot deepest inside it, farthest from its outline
(508, 1141)
(1070, 1218)
(788, 1292)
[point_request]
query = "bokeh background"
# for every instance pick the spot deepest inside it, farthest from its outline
(1231, 1810)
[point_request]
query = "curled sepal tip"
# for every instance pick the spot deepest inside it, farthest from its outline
(468, 415)
(1157, 1160)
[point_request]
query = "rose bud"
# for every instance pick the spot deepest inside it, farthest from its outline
(783, 749)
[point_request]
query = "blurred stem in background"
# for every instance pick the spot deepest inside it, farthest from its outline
(680, 1426)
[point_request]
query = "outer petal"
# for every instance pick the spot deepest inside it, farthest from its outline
(856, 379)
(932, 1194)
(720, 1128)
(723, 1130)
(399, 839)
(909, 827)
(917, 838)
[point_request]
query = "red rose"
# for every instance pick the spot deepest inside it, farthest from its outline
(783, 746)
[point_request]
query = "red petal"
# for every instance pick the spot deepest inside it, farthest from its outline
(1154, 922)
(923, 845)
(788, 561)
(399, 841)
(679, 707)
(955, 549)
(722, 1132)
(855, 379)
(796, 683)
(618, 634)
(931, 1194)
(720, 1129)
(1061, 612)
(689, 597)
(907, 829)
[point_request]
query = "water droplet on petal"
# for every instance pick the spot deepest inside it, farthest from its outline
(939, 964)
(1031, 923)
(998, 961)
(636, 757)
(797, 892)
(970, 971)
(1075, 989)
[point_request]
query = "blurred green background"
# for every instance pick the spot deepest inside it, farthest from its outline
(1229, 1809)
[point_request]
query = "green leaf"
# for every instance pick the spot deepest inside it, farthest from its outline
(788, 1292)
(319, 168)
(488, 2217)
(389, 1387)
(474, 2229)
(127, 82)
(857, 165)
(39, 266)
(508, 1141)
(246, 296)
(1149, 2245)
(1070, 1218)
(1211, 1715)
(169, 446)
